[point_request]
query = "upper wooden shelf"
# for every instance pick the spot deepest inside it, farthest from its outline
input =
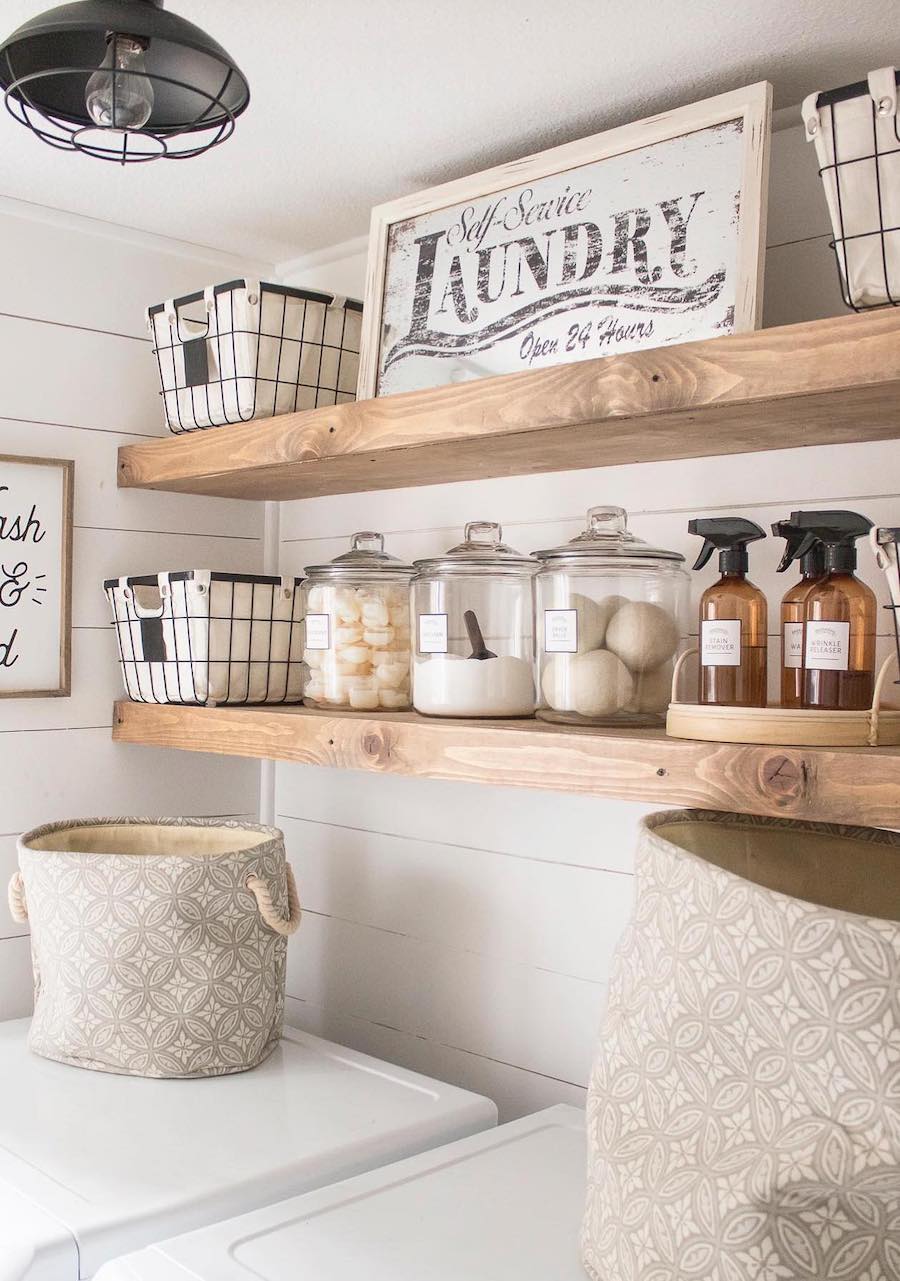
(841, 785)
(825, 382)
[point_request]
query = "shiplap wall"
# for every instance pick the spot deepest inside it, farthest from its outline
(467, 931)
(76, 381)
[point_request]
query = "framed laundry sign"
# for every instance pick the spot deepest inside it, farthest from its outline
(646, 235)
(36, 496)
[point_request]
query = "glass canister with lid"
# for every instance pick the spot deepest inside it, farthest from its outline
(473, 612)
(610, 614)
(357, 629)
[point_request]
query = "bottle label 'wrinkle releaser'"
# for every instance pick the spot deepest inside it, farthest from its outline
(828, 647)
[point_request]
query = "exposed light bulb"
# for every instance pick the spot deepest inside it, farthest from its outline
(117, 95)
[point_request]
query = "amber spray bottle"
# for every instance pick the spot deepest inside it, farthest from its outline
(840, 614)
(806, 548)
(733, 617)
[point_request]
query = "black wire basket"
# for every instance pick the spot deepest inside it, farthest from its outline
(245, 350)
(208, 638)
(886, 545)
(858, 146)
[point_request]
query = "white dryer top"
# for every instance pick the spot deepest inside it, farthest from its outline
(121, 1161)
(504, 1205)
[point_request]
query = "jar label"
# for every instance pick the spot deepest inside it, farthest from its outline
(432, 633)
(318, 631)
(828, 647)
(561, 631)
(793, 645)
(720, 642)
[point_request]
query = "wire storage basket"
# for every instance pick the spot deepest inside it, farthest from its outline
(885, 544)
(246, 349)
(207, 638)
(857, 143)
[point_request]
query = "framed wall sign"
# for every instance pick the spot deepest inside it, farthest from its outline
(36, 497)
(649, 234)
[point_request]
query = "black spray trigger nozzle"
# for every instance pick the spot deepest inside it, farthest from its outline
(729, 535)
(705, 551)
(837, 531)
(833, 527)
(798, 543)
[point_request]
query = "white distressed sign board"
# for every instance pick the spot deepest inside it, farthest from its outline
(653, 238)
(35, 574)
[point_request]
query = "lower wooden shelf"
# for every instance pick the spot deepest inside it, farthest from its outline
(848, 785)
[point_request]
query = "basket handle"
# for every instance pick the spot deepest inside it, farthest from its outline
(149, 611)
(267, 909)
(174, 319)
(679, 668)
(18, 908)
(877, 697)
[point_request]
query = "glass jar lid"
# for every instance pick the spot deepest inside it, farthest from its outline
(365, 557)
(607, 539)
(482, 551)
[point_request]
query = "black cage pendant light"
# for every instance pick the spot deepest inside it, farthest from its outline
(121, 80)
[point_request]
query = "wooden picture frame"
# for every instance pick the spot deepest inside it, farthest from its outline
(412, 240)
(35, 573)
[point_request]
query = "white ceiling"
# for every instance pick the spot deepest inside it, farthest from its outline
(358, 101)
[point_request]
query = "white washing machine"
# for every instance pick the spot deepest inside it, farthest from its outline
(504, 1205)
(94, 1165)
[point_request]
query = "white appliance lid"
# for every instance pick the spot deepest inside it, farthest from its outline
(122, 1161)
(32, 1243)
(502, 1206)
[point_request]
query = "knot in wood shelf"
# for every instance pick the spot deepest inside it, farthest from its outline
(786, 779)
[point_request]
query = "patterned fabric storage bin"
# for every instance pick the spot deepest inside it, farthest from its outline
(246, 350)
(200, 637)
(158, 945)
(744, 1108)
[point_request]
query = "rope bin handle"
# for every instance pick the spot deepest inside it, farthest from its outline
(267, 909)
(18, 908)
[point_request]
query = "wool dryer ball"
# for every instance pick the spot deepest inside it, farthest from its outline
(594, 684)
(593, 618)
(644, 636)
(601, 683)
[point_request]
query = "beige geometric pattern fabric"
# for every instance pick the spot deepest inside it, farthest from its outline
(151, 963)
(744, 1108)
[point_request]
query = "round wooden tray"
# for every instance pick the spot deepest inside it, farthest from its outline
(785, 726)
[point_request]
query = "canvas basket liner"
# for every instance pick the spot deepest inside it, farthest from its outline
(857, 142)
(158, 945)
(744, 1106)
(202, 637)
(267, 349)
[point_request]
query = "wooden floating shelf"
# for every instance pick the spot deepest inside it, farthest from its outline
(824, 382)
(848, 785)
